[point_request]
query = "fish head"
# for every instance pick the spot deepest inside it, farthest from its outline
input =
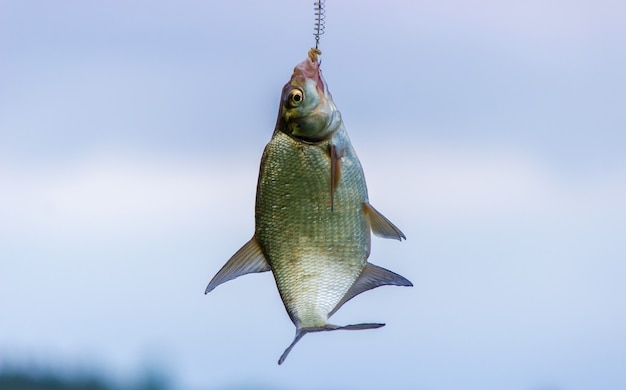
(307, 111)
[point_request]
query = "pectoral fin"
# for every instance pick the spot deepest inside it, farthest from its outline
(336, 153)
(371, 277)
(246, 260)
(381, 226)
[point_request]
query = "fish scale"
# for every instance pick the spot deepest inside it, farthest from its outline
(313, 251)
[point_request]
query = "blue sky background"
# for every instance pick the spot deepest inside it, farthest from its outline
(492, 133)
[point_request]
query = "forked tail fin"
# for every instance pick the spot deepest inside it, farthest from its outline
(300, 332)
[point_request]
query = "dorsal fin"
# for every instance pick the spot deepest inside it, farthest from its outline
(246, 260)
(371, 277)
(381, 226)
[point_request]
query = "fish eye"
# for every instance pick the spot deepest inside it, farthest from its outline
(295, 98)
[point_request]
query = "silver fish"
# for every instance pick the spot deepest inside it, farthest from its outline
(313, 218)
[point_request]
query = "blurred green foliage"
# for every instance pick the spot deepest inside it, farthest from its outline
(14, 379)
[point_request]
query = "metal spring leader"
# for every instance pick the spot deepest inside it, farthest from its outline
(320, 22)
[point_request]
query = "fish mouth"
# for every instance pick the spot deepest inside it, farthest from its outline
(318, 119)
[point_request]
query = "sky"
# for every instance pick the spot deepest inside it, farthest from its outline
(492, 133)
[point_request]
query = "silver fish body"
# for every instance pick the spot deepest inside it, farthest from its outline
(312, 215)
(316, 249)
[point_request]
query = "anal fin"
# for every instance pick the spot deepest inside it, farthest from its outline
(381, 226)
(371, 277)
(246, 260)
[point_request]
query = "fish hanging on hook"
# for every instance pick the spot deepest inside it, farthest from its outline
(313, 217)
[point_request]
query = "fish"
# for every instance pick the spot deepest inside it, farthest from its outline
(313, 218)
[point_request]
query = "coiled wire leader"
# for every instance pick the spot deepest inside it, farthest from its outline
(318, 30)
(320, 22)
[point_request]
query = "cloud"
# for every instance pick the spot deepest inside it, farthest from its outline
(149, 231)
(471, 184)
(112, 193)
